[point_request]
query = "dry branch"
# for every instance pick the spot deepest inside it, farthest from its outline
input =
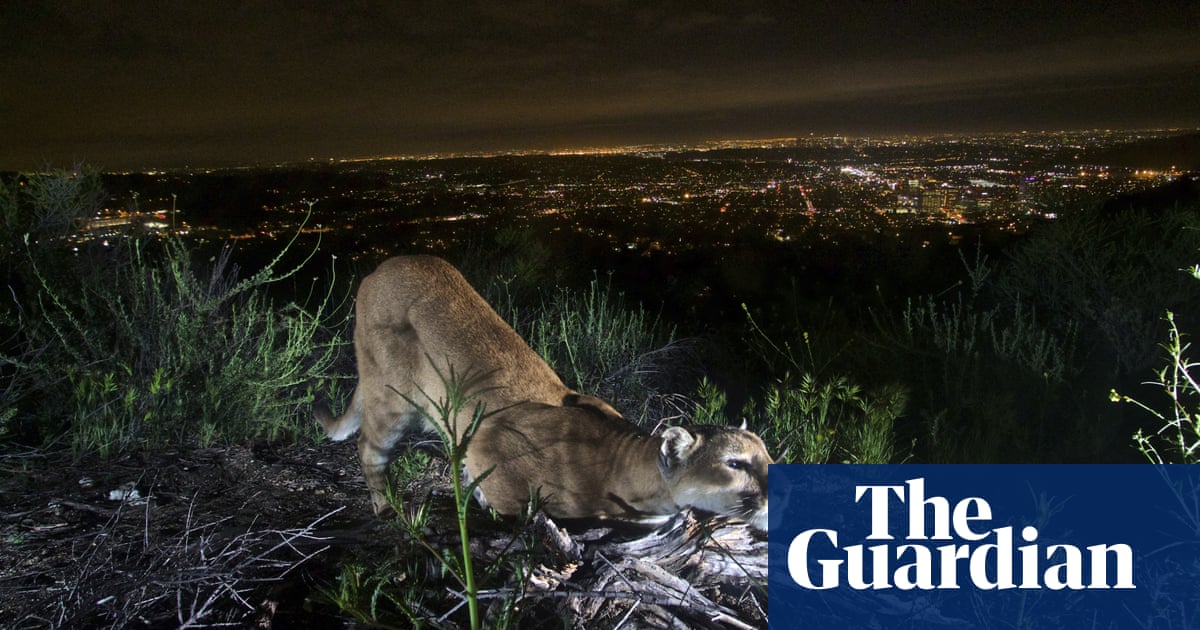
(671, 577)
(687, 573)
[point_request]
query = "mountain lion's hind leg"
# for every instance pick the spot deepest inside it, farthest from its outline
(377, 449)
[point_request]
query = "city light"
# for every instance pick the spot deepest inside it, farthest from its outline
(661, 198)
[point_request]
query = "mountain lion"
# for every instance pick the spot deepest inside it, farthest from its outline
(417, 319)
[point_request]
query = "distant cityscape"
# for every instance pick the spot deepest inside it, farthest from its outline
(647, 198)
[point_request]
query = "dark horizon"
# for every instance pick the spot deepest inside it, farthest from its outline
(131, 87)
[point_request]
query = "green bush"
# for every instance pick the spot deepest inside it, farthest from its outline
(1111, 273)
(210, 359)
(601, 346)
(48, 206)
(821, 421)
(810, 417)
(985, 377)
(710, 404)
(144, 350)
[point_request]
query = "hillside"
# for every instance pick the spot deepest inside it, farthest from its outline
(1181, 152)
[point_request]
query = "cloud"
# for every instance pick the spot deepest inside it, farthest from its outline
(78, 72)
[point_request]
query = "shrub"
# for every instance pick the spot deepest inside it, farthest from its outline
(145, 350)
(819, 421)
(46, 206)
(810, 420)
(985, 376)
(709, 404)
(809, 417)
(163, 357)
(1111, 274)
(601, 346)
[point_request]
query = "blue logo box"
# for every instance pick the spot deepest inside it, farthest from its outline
(910, 546)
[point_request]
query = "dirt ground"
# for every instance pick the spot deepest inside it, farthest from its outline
(246, 536)
(239, 534)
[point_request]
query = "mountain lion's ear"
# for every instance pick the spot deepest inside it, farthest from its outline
(677, 444)
(743, 427)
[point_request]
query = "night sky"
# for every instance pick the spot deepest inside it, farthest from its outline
(161, 84)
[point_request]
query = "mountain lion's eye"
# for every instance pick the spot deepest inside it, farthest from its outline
(737, 464)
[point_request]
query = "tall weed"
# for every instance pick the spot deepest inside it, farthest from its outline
(1176, 440)
(809, 417)
(435, 567)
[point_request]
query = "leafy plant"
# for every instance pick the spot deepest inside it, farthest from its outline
(445, 415)
(1177, 438)
(47, 206)
(710, 404)
(813, 418)
(372, 593)
(819, 421)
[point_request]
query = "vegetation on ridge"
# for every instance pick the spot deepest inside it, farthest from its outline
(145, 343)
(137, 344)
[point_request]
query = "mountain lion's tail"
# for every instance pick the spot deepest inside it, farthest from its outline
(343, 426)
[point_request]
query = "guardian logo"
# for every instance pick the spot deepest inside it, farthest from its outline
(984, 546)
(986, 565)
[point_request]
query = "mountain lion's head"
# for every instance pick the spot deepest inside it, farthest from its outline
(718, 469)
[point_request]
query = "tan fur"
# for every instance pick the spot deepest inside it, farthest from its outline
(417, 318)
